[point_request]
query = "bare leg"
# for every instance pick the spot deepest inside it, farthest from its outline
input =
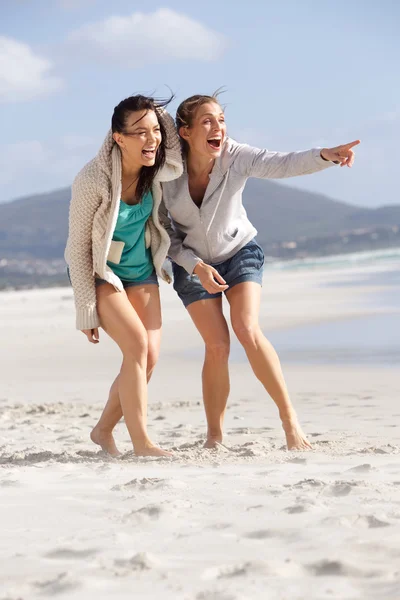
(121, 321)
(146, 301)
(208, 317)
(244, 300)
(102, 434)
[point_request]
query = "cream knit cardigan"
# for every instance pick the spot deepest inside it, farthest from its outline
(93, 213)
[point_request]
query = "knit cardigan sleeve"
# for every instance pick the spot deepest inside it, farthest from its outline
(173, 167)
(85, 201)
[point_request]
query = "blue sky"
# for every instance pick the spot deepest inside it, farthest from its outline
(297, 74)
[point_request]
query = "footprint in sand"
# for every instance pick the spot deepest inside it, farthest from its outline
(228, 571)
(152, 511)
(338, 568)
(146, 482)
(9, 483)
(59, 584)
(142, 561)
(261, 534)
(341, 488)
(191, 445)
(271, 568)
(371, 522)
(364, 468)
(309, 483)
(71, 554)
(296, 509)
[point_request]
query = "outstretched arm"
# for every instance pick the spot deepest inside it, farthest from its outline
(265, 164)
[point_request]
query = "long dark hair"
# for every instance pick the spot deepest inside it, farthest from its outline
(187, 111)
(118, 124)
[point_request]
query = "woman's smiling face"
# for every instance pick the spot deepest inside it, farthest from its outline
(141, 138)
(207, 132)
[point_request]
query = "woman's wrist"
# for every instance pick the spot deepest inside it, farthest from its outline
(321, 153)
(198, 267)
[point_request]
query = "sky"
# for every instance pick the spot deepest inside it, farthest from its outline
(297, 74)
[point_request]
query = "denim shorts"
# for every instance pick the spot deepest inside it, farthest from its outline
(245, 265)
(150, 280)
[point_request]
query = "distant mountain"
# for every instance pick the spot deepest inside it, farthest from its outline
(35, 227)
(283, 213)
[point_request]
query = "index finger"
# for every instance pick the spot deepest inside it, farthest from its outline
(351, 144)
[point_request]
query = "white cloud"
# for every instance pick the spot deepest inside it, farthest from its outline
(139, 39)
(47, 165)
(23, 74)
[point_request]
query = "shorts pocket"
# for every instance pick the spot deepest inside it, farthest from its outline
(260, 254)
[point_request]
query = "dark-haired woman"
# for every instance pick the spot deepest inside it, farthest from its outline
(214, 250)
(115, 252)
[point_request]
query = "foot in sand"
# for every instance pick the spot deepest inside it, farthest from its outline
(213, 441)
(148, 449)
(295, 437)
(105, 439)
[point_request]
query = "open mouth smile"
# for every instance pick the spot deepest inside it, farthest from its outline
(215, 143)
(149, 152)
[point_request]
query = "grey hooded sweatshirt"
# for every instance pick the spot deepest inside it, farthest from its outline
(218, 229)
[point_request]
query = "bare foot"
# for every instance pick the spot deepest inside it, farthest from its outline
(295, 437)
(213, 441)
(105, 439)
(211, 444)
(150, 450)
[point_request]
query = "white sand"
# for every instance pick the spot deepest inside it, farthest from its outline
(254, 521)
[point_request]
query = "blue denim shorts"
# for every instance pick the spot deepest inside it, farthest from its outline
(150, 280)
(245, 265)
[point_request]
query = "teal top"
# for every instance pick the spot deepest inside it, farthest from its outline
(136, 261)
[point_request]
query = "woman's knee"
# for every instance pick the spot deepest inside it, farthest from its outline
(218, 351)
(136, 349)
(246, 332)
(152, 357)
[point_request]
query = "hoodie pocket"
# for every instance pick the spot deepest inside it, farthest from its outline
(115, 252)
(231, 235)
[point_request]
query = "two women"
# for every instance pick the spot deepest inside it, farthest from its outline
(214, 251)
(116, 213)
(115, 252)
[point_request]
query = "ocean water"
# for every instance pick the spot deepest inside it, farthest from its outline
(372, 339)
(377, 259)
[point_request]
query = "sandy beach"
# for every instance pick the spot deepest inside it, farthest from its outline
(249, 521)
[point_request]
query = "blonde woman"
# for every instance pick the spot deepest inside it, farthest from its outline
(214, 251)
